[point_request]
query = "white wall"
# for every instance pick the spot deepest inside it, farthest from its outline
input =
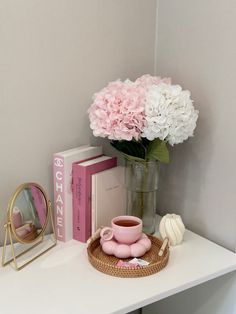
(54, 54)
(196, 47)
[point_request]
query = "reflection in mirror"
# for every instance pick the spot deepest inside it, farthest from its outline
(29, 214)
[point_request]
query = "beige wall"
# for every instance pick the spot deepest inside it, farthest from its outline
(54, 54)
(196, 47)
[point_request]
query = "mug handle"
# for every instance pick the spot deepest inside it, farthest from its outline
(106, 233)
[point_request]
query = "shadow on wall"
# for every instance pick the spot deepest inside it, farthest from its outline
(107, 148)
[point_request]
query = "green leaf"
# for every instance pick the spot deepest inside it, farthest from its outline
(130, 148)
(158, 150)
(145, 142)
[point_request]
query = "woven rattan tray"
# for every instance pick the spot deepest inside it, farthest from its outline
(107, 264)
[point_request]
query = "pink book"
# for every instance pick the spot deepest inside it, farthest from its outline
(82, 184)
(62, 181)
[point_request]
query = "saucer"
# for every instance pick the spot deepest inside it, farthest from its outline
(137, 249)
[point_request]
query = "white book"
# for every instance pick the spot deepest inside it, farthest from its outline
(108, 196)
(62, 181)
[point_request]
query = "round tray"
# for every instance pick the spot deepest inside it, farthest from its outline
(107, 263)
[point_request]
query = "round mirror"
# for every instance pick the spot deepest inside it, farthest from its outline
(28, 212)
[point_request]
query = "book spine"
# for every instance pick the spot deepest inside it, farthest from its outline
(79, 190)
(59, 196)
(93, 203)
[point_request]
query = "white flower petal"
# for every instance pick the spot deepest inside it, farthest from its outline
(169, 113)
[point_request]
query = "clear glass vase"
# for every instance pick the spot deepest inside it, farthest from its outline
(141, 180)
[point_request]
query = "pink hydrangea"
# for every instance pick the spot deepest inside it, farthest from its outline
(118, 111)
(148, 80)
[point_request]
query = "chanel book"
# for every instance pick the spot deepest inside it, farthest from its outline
(62, 180)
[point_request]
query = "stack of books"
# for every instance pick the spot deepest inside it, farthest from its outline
(88, 192)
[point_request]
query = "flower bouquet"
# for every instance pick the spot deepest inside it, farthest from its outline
(141, 119)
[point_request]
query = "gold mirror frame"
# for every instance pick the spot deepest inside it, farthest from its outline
(10, 232)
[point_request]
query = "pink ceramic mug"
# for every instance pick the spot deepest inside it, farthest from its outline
(125, 229)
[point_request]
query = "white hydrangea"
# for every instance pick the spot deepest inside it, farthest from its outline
(170, 114)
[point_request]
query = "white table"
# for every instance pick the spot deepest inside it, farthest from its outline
(63, 282)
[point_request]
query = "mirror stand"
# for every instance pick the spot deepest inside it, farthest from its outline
(17, 255)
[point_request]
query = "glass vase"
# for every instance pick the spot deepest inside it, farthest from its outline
(141, 180)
